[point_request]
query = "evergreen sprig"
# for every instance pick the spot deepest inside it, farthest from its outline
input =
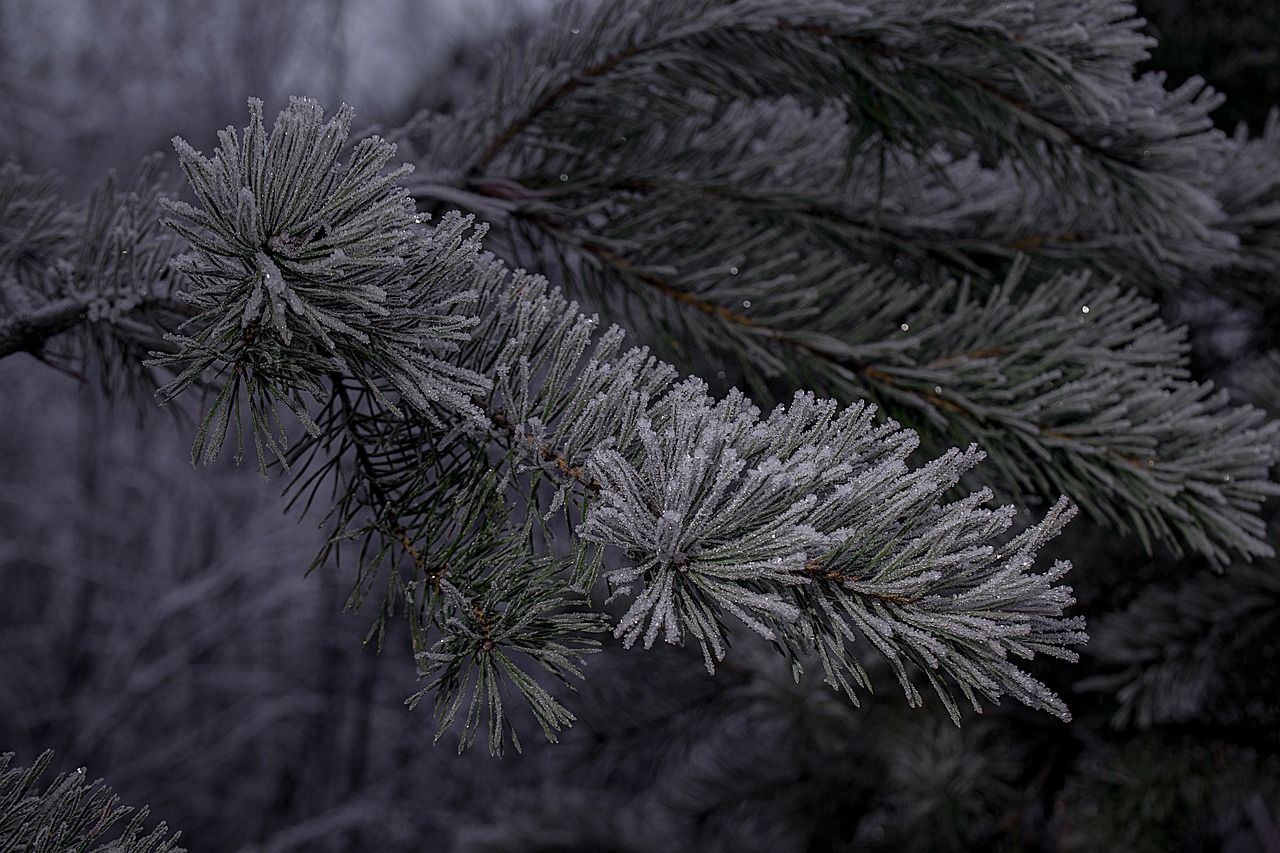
(719, 512)
(71, 813)
(301, 266)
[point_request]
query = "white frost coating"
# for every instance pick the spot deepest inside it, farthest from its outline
(721, 512)
(274, 284)
(271, 275)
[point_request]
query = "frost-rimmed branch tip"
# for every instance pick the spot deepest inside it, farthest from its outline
(302, 266)
(807, 525)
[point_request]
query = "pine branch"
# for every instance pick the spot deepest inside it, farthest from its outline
(719, 512)
(69, 814)
(310, 267)
(681, 505)
(1010, 371)
(915, 79)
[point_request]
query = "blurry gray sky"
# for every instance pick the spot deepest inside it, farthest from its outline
(87, 85)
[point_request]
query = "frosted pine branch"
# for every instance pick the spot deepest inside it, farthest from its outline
(719, 512)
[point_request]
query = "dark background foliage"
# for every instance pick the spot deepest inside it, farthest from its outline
(157, 628)
(1234, 45)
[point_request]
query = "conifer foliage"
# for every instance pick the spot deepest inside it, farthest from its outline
(817, 222)
(806, 525)
(69, 814)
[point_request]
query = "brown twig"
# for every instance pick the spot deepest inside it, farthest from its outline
(824, 574)
(545, 449)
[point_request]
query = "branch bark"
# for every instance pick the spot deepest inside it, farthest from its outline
(30, 331)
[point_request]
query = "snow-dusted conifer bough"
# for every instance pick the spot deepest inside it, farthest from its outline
(419, 355)
(861, 214)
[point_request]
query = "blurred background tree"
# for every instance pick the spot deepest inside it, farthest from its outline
(115, 627)
(1234, 45)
